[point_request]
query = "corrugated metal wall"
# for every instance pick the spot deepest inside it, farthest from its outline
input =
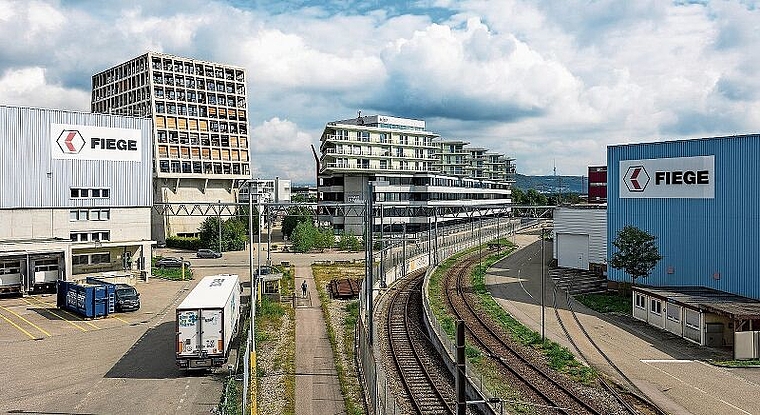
(31, 178)
(704, 242)
(591, 222)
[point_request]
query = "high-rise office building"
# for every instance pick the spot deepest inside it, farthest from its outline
(200, 128)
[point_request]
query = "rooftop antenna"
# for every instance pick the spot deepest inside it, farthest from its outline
(559, 187)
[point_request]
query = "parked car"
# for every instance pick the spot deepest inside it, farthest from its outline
(265, 270)
(127, 298)
(208, 253)
(171, 262)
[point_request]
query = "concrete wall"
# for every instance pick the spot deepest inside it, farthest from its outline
(188, 192)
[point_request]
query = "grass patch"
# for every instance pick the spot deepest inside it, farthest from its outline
(270, 316)
(230, 401)
(343, 356)
(606, 303)
(173, 274)
(737, 363)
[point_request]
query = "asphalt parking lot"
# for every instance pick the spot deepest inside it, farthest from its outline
(54, 361)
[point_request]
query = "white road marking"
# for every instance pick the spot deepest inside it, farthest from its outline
(665, 361)
(690, 385)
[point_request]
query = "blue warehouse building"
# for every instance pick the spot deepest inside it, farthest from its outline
(699, 198)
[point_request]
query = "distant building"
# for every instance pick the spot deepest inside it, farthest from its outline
(597, 184)
(308, 193)
(75, 198)
(266, 191)
(412, 167)
(200, 128)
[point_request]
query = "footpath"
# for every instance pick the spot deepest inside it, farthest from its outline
(674, 373)
(317, 386)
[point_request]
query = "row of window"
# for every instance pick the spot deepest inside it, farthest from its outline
(197, 69)
(90, 236)
(215, 140)
(383, 138)
(419, 153)
(192, 124)
(88, 259)
(90, 193)
(199, 83)
(200, 98)
(10, 267)
(673, 312)
(174, 166)
(202, 153)
(89, 214)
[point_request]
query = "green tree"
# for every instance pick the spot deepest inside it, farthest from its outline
(234, 233)
(303, 237)
(518, 196)
(294, 216)
(209, 233)
(349, 242)
(534, 198)
(325, 238)
(637, 253)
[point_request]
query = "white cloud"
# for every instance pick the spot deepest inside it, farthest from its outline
(28, 87)
(542, 82)
(278, 145)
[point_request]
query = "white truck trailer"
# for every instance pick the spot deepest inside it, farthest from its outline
(207, 321)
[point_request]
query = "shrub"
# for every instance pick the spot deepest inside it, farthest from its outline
(181, 242)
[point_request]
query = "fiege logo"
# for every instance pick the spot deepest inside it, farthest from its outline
(672, 178)
(636, 179)
(85, 142)
(70, 141)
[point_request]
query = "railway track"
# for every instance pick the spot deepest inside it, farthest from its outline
(631, 401)
(427, 386)
(547, 392)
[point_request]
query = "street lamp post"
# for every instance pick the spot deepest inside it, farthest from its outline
(543, 278)
(219, 223)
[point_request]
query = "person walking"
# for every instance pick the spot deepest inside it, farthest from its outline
(303, 289)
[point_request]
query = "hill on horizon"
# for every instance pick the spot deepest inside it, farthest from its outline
(552, 184)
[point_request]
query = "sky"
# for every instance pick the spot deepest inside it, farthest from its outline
(549, 83)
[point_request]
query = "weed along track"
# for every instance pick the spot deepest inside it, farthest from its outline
(427, 387)
(538, 388)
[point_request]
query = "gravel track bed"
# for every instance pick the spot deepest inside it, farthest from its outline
(432, 361)
(269, 362)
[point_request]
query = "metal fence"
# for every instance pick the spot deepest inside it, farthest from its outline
(398, 262)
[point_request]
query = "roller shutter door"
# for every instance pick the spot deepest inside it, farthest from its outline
(572, 251)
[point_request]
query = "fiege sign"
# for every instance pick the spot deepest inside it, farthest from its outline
(82, 142)
(675, 178)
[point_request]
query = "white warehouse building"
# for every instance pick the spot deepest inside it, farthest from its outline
(580, 237)
(76, 196)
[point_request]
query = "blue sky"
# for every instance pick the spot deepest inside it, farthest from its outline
(544, 82)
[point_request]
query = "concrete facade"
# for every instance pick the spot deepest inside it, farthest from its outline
(201, 142)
